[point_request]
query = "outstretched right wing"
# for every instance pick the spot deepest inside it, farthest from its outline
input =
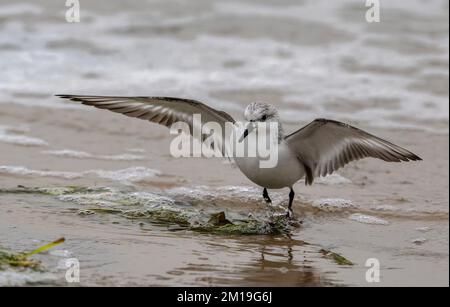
(161, 110)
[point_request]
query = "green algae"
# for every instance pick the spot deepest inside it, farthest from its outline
(218, 224)
(337, 258)
(243, 228)
(22, 260)
(159, 215)
(9, 259)
(100, 210)
(158, 209)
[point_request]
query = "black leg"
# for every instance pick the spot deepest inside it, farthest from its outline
(266, 196)
(290, 213)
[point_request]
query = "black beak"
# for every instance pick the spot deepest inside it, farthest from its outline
(244, 135)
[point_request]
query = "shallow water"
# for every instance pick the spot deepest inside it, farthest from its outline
(140, 217)
(145, 235)
(394, 73)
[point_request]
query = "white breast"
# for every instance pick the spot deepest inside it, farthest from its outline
(286, 172)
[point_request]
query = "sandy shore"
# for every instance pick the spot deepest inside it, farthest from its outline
(411, 198)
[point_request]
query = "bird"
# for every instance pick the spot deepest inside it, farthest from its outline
(318, 149)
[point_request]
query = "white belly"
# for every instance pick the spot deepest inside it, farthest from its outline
(286, 172)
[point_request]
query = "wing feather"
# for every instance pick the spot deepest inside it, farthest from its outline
(324, 146)
(160, 110)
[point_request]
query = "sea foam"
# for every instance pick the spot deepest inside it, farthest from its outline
(67, 153)
(128, 175)
(10, 135)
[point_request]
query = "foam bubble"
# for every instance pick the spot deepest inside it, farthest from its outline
(126, 176)
(205, 193)
(333, 204)
(368, 219)
(136, 150)
(23, 171)
(117, 200)
(132, 174)
(17, 279)
(388, 208)
(9, 135)
(333, 179)
(67, 153)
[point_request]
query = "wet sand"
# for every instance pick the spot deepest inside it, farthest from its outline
(411, 197)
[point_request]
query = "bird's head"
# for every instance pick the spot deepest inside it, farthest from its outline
(257, 112)
(261, 112)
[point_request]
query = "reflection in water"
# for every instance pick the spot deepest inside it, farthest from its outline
(269, 261)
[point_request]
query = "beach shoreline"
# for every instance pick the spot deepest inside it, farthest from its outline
(411, 197)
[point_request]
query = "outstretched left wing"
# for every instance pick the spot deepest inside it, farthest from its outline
(323, 146)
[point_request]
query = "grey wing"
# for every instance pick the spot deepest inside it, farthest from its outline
(323, 146)
(160, 110)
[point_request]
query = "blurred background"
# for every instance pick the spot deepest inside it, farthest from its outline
(311, 58)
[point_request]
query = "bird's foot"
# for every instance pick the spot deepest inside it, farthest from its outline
(289, 214)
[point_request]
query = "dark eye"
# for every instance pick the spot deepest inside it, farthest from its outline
(264, 117)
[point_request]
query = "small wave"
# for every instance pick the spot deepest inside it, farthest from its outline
(368, 219)
(333, 179)
(23, 171)
(228, 194)
(67, 153)
(126, 176)
(165, 210)
(390, 209)
(9, 135)
(136, 150)
(385, 208)
(117, 201)
(18, 279)
(333, 204)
